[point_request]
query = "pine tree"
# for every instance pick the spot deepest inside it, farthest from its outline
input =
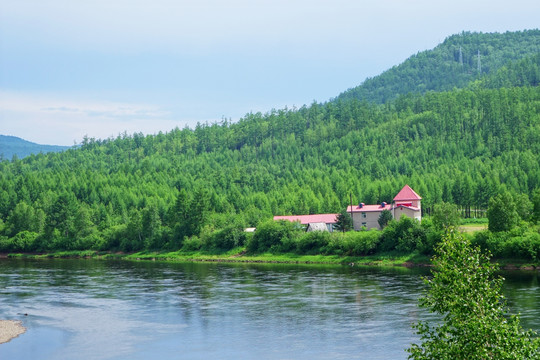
(344, 221)
(384, 218)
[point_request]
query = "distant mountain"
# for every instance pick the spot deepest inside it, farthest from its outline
(12, 145)
(458, 61)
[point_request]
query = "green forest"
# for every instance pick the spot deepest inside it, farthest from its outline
(457, 131)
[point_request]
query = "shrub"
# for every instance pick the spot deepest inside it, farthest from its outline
(530, 246)
(354, 243)
(112, 237)
(270, 235)
(92, 241)
(5, 243)
(225, 239)
(481, 238)
(432, 239)
(311, 243)
(24, 241)
(519, 243)
(192, 244)
(405, 235)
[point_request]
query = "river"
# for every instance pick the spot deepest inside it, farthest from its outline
(93, 309)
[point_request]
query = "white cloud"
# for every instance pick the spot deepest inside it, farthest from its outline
(52, 120)
(201, 59)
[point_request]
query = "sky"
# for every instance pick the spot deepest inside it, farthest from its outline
(74, 68)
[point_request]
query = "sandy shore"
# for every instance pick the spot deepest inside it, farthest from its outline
(10, 329)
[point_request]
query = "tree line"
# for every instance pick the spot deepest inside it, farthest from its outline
(133, 192)
(451, 64)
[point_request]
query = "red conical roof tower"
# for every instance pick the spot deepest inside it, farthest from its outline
(407, 194)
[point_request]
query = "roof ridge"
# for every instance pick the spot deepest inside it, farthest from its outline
(407, 193)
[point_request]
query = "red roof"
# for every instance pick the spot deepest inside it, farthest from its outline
(306, 219)
(369, 208)
(407, 194)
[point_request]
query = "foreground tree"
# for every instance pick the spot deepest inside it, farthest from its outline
(501, 213)
(385, 218)
(344, 221)
(475, 323)
(445, 215)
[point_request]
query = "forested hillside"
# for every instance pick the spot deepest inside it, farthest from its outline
(133, 192)
(459, 60)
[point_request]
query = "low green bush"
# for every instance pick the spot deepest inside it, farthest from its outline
(405, 235)
(271, 235)
(312, 243)
(224, 239)
(519, 243)
(192, 244)
(354, 243)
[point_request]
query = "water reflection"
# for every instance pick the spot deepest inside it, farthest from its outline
(90, 309)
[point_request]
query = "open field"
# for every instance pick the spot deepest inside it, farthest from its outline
(469, 228)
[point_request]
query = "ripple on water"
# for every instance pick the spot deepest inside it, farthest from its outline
(111, 310)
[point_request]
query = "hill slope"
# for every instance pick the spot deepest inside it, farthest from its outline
(11, 145)
(452, 64)
(134, 192)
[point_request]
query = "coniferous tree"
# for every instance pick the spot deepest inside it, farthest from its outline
(385, 218)
(344, 221)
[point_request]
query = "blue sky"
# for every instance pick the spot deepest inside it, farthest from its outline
(102, 67)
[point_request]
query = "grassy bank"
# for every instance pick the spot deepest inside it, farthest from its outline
(238, 255)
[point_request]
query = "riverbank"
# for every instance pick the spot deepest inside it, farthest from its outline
(235, 256)
(10, 329)
(238, 255)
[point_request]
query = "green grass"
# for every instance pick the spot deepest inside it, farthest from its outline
(56, 255)
(470, 221)
(238, 256)
(473, 227)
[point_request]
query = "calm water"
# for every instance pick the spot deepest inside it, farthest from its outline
(87, 309)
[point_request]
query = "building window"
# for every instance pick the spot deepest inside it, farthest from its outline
(364, 215)
(364, 224)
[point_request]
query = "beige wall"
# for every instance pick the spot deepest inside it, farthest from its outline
(371, 220)
(398, 212)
